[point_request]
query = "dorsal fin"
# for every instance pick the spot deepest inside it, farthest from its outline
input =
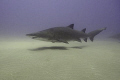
(83, 30)
(71, 26)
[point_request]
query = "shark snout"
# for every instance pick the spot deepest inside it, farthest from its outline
(30, 35)
(27, 35)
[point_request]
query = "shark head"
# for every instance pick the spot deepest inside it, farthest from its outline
(39, 36)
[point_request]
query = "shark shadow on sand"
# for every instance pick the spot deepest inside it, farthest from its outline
(56, 48)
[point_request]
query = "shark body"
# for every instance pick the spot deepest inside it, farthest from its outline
(64, 34)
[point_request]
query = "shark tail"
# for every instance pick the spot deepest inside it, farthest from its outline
(92, 34)
(103, 28)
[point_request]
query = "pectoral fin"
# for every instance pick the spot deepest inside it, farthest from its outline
(79, 40)
(64, 41)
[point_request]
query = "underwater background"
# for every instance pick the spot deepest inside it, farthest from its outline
(23, 58)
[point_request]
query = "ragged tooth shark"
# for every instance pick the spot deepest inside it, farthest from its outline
(64, 34)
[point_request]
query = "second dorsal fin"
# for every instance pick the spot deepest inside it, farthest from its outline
(83, 30)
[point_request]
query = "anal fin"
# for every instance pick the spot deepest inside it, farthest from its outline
(91, 38)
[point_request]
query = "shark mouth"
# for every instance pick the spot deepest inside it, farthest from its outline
(31, 35)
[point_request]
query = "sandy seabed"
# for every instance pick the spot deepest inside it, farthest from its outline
(37, 60)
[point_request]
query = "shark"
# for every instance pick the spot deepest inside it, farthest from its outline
(64, 34)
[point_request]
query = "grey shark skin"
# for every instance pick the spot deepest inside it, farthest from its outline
(63, 34)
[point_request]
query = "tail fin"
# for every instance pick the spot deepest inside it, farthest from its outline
(92, 34)
(103, 28)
